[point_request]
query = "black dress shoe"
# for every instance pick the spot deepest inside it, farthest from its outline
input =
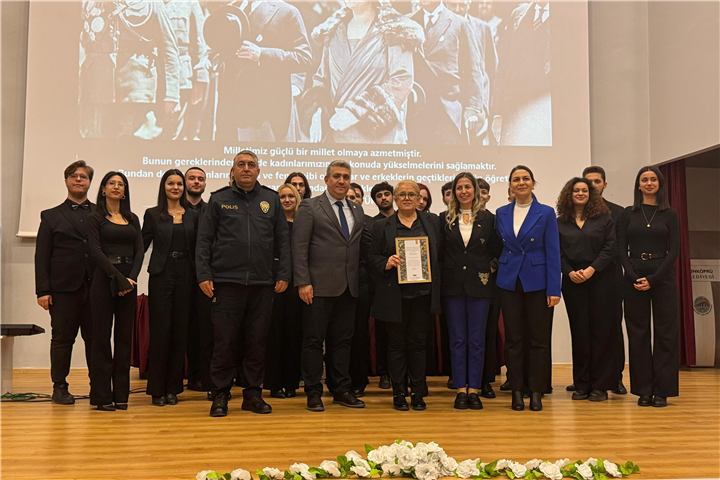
(417, 402)
(277, 394)
(106, 408)
(315, 403)
(195, 386)
(359, 392)
(580, 395)
(384, 382)
(645, 400)
(461, 401)
(349, 400)
(598, 396)
(659, 401)
(121, 406)
(450, 383)
(620, 390)
(536, 401)
(159, 401)
(256, 405)
(171, 399)
(400, 403)
(474, 402)
(290, 393)
(487, 391)
(61, 396)
(571, 387)
(518, 404)
(219, 406)
(505, 386)
(209, 396)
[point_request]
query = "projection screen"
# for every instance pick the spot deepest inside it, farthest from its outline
(426, 91)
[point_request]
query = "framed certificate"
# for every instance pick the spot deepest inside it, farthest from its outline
(414, 253)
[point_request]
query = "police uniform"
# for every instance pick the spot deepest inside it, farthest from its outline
(239, 236)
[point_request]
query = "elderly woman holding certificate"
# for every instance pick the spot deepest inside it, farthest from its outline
(402, 257)
(359, 93)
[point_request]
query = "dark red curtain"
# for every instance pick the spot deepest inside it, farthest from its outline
(675, 177)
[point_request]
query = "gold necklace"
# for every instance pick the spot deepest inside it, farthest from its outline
(651, 218)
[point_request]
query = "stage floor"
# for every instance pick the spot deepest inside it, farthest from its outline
(43, 440)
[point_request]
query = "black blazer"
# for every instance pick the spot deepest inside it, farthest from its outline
(62, 253)
(468, 267)
(159, 232)
(380, 245)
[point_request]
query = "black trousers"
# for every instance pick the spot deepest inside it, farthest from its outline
(491, 331)
(620, 342)
(69, 312)
(246, 308)
(654, 362)
(527, 317)
(112, 315)
(381, 348)
(193, 345)
(592, 312)
(205, 338)
(407, 344)
(360, 349)
(284, 342)
(329, 320)
(170, 306)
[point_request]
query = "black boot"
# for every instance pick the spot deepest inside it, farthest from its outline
(536, 401)
(220, 405)
(517, 401)
(61, 396)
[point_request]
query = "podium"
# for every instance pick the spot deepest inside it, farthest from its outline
(8, 332)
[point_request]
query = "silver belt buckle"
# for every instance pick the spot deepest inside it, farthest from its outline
(645, 256)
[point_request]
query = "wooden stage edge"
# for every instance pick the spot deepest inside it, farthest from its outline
(43, 440)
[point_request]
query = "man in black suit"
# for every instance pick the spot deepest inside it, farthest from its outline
(63, 269)
(451, 73)
(326, 257)
(257, 77)
(596, 175)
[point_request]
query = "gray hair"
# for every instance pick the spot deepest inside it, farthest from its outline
(339, 164)
(245, 152)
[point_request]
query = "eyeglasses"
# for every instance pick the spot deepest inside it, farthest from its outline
(116, 184)
(79, 176)
(411, 196)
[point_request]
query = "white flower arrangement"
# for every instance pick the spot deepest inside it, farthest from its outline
(428, 461)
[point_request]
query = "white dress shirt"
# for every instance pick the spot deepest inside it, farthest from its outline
(428, 16)
(347, 210)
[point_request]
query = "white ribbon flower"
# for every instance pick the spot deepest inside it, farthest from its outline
(303, 470)
(420, 451)
(467, 469)
(407, 460)
(360, 471)
(392, 469)
(612, 469)
(562, 463)
(331, 467)
(240, 474)
(426, 471)
(352, 455)
(532, 464)
(202, 475)
(592, 461)
(272, 473)
(448, 465)
(550, 470)
(502, 464)
(585, 471)
(518, 469)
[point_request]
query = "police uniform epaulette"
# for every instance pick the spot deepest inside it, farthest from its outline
(268, 188)
(220, 190)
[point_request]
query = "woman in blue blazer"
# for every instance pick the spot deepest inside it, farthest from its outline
(530, 278)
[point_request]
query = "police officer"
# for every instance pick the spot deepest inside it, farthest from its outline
(242, 230)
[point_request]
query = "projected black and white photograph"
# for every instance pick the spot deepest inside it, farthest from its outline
(387, 72)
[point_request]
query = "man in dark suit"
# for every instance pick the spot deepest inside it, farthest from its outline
(596, 175)
(63, 269)
(257, 77)
(326, 257)
(451, 73)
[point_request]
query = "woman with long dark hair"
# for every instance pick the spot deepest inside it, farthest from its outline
(171, 227)
(117, 248)
(425, 200)
(468, 248)
(529, 275)
(587, 244)
(649, 243)
(301, 184)
(284, 341)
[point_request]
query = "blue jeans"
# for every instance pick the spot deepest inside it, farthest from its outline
(467, 319)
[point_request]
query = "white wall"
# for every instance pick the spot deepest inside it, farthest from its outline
(626, 134)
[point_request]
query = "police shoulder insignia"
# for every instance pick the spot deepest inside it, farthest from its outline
(264, 206)
(484, 277)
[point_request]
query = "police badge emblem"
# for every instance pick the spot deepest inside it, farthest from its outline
(264, 206)
(484, 277)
